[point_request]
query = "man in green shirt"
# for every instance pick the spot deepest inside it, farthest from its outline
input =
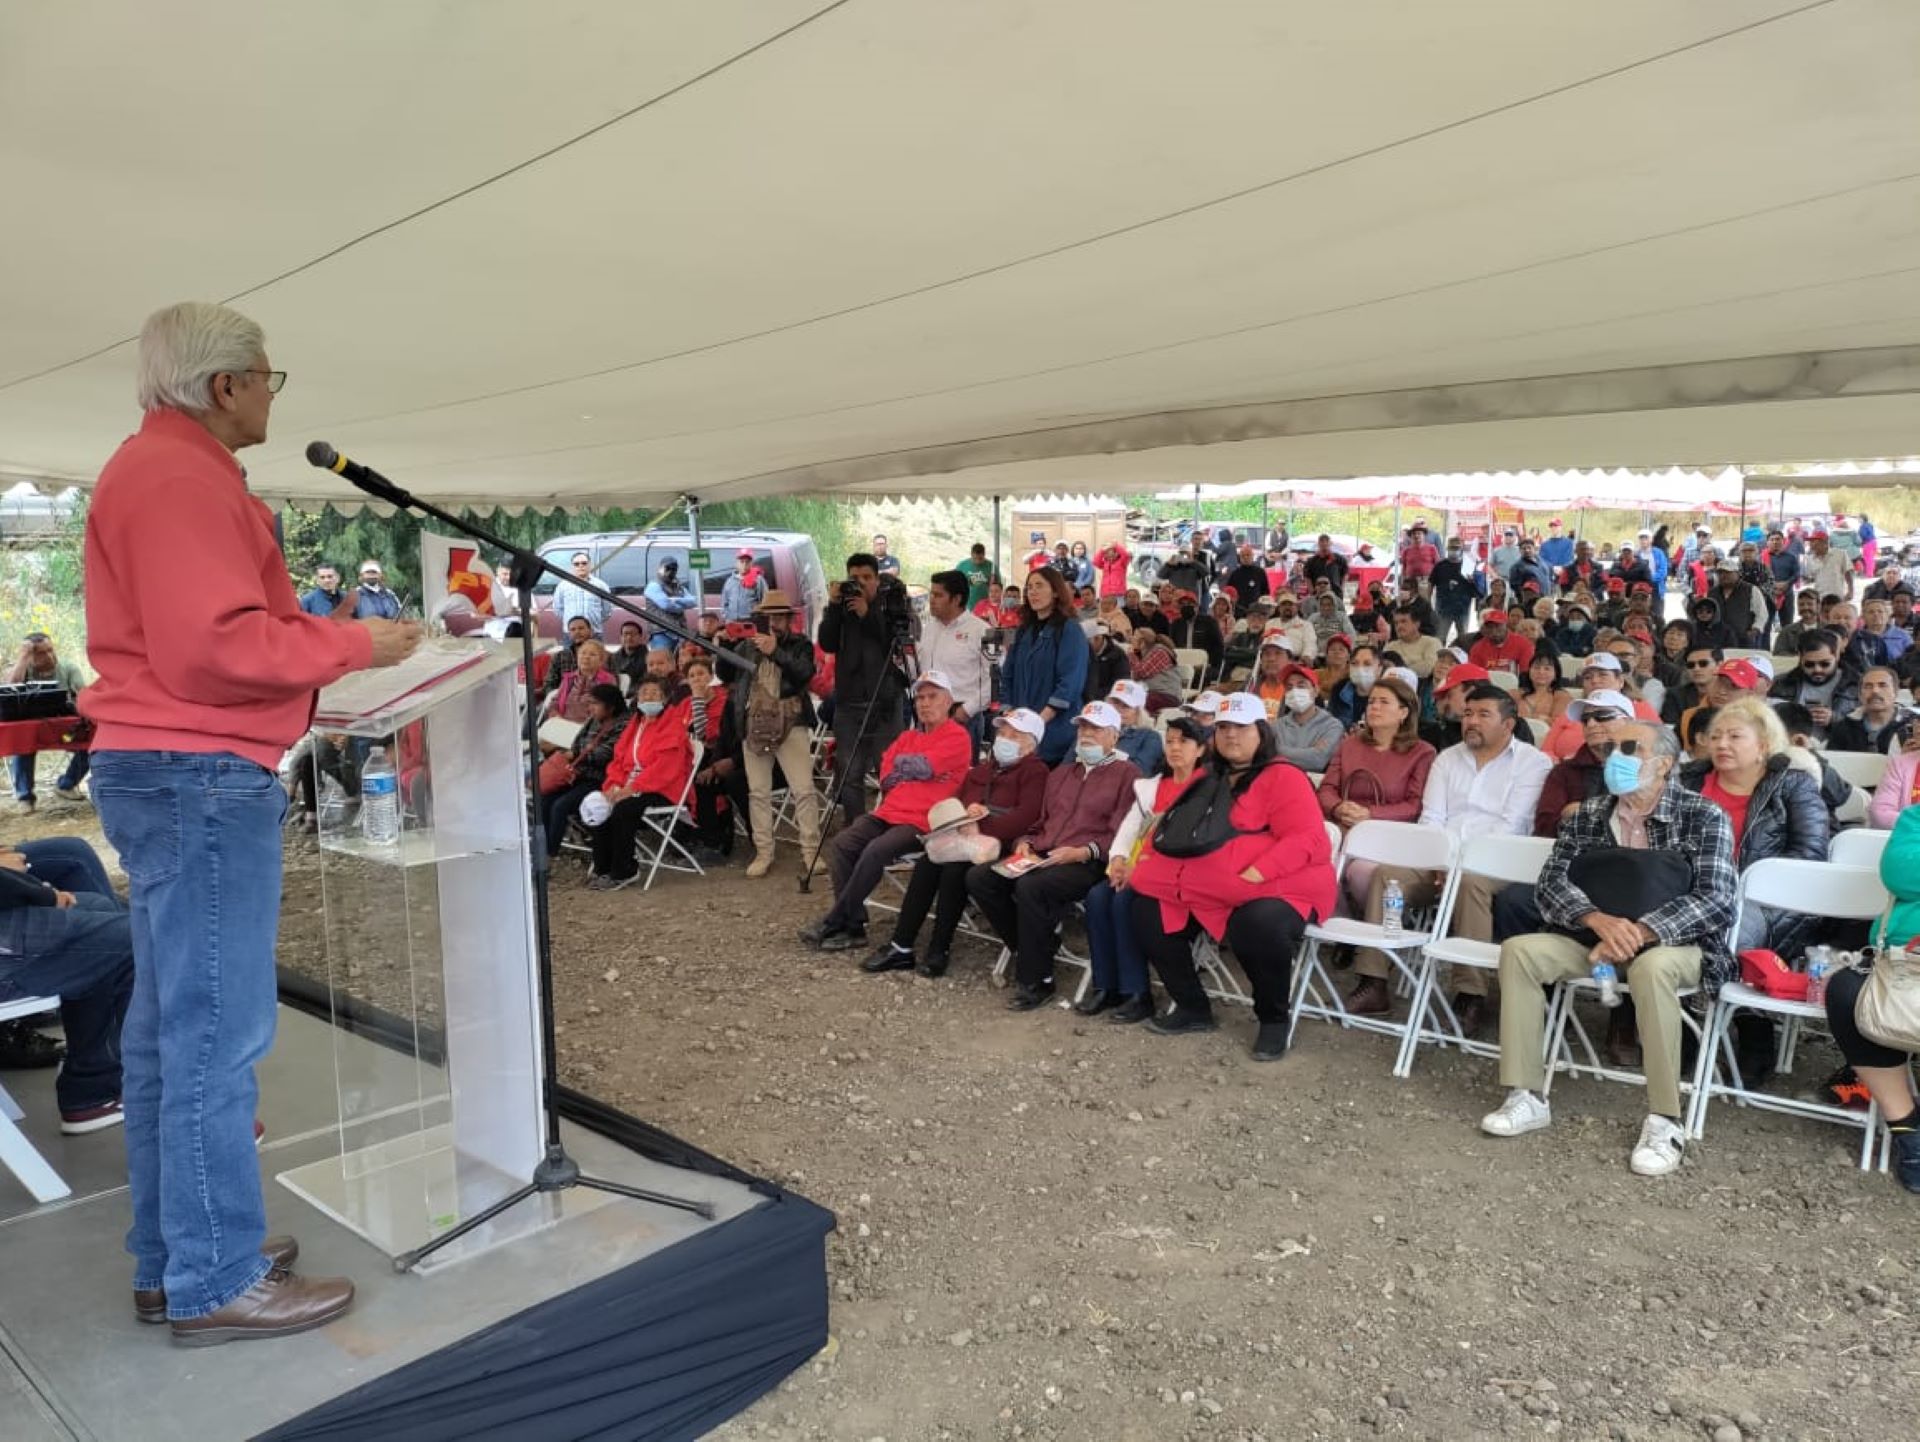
(979, 573)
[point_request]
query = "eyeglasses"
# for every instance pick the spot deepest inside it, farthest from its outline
(1628, 747)
(275, 379)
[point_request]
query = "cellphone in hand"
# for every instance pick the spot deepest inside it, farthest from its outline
(760, 625)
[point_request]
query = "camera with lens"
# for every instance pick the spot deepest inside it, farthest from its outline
(895, 608)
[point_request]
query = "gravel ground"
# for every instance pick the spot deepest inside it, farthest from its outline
(1057, 1229)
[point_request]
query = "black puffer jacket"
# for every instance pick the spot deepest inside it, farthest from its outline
(1786, 816)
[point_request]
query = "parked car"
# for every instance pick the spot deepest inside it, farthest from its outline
(624, 564)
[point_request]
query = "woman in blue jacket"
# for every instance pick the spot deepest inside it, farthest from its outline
(1046, 664)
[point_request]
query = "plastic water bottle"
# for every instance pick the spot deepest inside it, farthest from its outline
(379, 800)
(1393, 909)
(1819, 968)
(1608, 980)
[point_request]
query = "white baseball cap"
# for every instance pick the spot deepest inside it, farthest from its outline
(1128, 693)
(934, 678)
(1602, 701)
(1242, 708)
(1404, 675)
(1762, 664)
(1207, 703)
(1278, 640)
(1098, 713)
(595, 809)
(1601, 661)
(1021, 719)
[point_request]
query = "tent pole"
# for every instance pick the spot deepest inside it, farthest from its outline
(1741, 533)
(1194, 539)
(693, 544)
(1393, 540)
(1263, 523)
(996, 540)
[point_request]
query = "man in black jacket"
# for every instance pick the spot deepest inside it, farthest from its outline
(1249, 582)
(1107, 662)
(868, 688)
(1873, 725)
(783, 665)
(1191, 631)
(1454, 592)
(64, 933)
(1819, 684)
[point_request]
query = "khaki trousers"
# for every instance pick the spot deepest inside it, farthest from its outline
(796, 760)
(1530, 964)
(1472, 920)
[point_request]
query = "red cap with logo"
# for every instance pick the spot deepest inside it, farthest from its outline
(1743, 673)
(1465, 675)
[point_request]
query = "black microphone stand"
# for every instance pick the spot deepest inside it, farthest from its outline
(556, 1171)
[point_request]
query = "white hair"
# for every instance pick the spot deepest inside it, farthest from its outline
(183, 347)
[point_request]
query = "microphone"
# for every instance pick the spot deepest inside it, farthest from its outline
(320, 454)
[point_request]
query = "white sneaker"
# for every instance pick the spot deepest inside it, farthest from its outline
(1520, 1113)
(1658, 1151)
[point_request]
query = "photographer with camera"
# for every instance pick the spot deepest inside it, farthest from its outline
(868, 620)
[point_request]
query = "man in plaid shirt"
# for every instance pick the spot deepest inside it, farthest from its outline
(1678, 945)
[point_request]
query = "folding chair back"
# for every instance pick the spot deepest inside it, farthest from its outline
(1811, 888)
(1193, 666)
(1859, 847)
(1861, 768)
(1399, 843)
(1505, 680)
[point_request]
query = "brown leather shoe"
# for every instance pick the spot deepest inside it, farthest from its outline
(278, 1305)
(1370, 997)
(150, 1304)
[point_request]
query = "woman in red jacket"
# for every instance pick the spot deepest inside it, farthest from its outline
(922, 766)
(651, 763)
(1257, 892)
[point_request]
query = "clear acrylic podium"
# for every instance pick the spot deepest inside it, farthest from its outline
(434, 933)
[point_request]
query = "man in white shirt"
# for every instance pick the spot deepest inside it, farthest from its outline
(1487, 785)
(1826, 570)
(951, 642)
(1299, 632)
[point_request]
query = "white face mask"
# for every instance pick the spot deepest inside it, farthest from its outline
(1364, 677)
(1299, 698)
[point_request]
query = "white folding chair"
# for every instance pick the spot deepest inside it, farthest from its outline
(896, 876)
(1509, 859)
(1811, 888)
(1537, 728)
(1571, 666)
(1860, 847)
(657, 847)
(17, 1154)
(1193, 666)
(1505, 680)
(1385, 843)
(1860, 768)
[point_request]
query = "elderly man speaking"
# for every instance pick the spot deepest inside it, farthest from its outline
(201, 689)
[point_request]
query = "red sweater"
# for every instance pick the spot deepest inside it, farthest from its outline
(1390, 784)
(1514, 654)
(948, 749)
(652, 755)
(1286, 843)
(192, 623)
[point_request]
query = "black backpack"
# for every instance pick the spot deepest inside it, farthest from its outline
(1199, 821)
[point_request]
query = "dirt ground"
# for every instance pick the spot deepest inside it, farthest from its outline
(1058, 1229)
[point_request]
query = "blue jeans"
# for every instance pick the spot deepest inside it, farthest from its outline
(75, 773)
(199, 836)
(82, 954)
(1118, 963)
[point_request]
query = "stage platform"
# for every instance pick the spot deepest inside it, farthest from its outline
(633, 1286)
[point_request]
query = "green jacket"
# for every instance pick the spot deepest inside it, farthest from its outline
(1900, 874)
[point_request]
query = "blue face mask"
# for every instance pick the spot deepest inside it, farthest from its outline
(1006, 750)
(1621, 774)
(1089, 753)
(652, 708)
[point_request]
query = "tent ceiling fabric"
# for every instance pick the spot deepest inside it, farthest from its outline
(592, 254)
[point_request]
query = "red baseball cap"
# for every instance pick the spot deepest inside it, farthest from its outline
(1818, 535)
(1743, 673)
(1642, 588)
(1616, 585)
(1287, 673)
(1493, 618)
(1529, 585)
(1465, 675)
(1555, 523)
(1193, 596)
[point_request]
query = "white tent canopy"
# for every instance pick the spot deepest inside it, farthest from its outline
(589, 253)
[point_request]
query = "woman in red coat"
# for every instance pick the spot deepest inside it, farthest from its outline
(651, 763)
(1257, 892)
